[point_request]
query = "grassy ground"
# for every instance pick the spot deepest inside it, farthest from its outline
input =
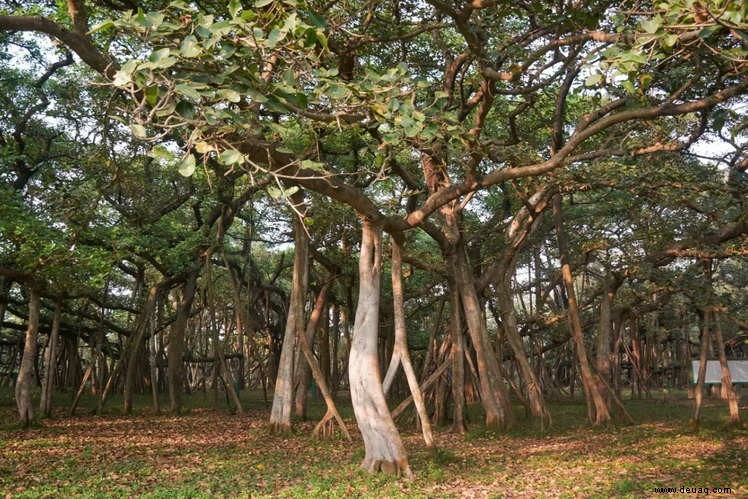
(209, 452)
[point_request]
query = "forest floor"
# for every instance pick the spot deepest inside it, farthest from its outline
(210, 452)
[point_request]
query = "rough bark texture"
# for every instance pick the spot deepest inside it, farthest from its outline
(384, 448)
(727, 388)
(175, 352)
(494, 396)
(532, 389)
(596, 405)
(458, 363)
(50, 363)
(280, 415)
(146, 316)
(25, 382)
(701, 377)
(401, 340)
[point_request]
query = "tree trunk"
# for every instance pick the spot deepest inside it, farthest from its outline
(701, 377)
(727, 388)
(146, 315)
(25, 382)
(401, 341)
(458, 362)
(595, 401)
(533, 390)
(384, 448)
(494, 396)
(175, 352)
(50, 362)
(280, 414)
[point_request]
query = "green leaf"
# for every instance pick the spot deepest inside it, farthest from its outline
(230, 95)
(186, 110)
(203, 147)
(274, 37)
(669, 41)
(138, 131)
(190, 47)
(187, 165)
(159, 54)
(234, 7)
(256, 96)
(262, 3)
(102, 25)
(187, 90)
(124, 75)
(230, 157)
(151, 95)
(593, 80)
(312, 165)
(160, 152)
(651, 25)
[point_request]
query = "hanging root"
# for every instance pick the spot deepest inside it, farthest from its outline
(326, 426)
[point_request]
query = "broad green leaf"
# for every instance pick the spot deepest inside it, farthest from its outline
(159, 54)
(256, 96)
(185, 110)
(187, 90)
(202, 147)
(151, 94)
(190, 47)
(234, 7)
(274, 37)
(230, 95)
(230, 157)
(312, 165)
(651, 25)
(187, 165)
(593, 79)
(102, 25)
(138, 131)
(262, 3)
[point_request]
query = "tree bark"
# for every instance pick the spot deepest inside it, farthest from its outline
(50, 362)
(175, 352)
(25, 382)
(533, 390)
(146, 316)
(458, 362)
(384, 448)
(280, 414)
(727, 388)
(701, 377)
(595, 402)
(401, 341)
(494, 396)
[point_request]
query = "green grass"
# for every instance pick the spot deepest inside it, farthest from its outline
(208, 451)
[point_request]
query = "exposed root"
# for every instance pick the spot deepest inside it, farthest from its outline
(399, 468)
(326, 427)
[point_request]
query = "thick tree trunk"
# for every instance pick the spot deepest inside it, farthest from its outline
(494, 396)
(458, 361)
(280, 414)
(595, 401)
(384, 448)
(727, 388)
(533, 390)
(50, 362)
(303, 375)
(175, 352)
(133, 361)
(25, 382)
(604, 332)
(701, 377)
(401, 341)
